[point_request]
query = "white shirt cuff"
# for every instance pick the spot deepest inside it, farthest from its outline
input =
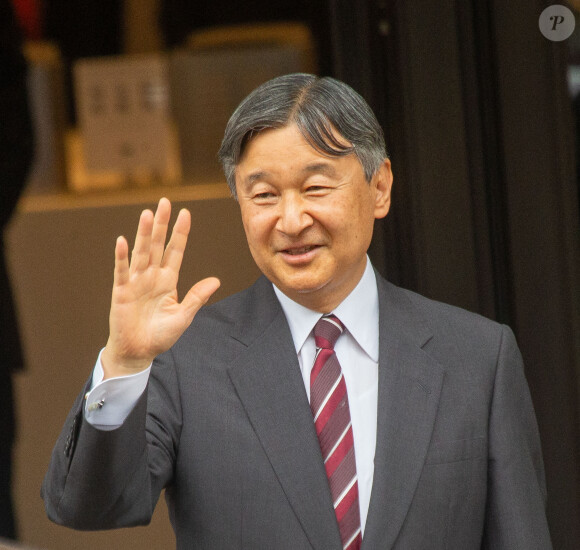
(109, 402)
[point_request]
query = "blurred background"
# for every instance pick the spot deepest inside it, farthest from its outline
(126, 101)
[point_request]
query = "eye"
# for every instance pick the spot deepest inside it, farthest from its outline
(265, 197)
(317, 190)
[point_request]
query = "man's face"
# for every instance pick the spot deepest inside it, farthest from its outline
(308, 218)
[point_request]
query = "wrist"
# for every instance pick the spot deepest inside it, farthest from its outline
(115, 365)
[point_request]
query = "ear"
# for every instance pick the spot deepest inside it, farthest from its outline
(383, 182)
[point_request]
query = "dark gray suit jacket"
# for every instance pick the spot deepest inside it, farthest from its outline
(226, 427)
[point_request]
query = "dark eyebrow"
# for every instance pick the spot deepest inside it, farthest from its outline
(252, 178)
(323, 168)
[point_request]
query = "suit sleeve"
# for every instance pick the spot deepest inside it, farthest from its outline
(109, 479)
(515, 515)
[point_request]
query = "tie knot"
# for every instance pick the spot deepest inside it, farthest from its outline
(326, 331)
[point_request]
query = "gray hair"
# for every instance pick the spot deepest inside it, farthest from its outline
(319, 107)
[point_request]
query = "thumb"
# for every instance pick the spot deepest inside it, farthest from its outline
(199, 294)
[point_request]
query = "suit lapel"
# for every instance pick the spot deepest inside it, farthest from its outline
(268, 381)
(269, 384)
(409, 387)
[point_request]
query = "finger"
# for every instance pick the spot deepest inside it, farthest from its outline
(121, 273)
(159, 234)
(176, 247)
(199, 294)
(142, 248)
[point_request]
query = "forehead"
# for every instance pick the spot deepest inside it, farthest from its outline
(286, 147)
(283, 155)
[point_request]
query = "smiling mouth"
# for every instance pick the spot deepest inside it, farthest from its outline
(301, 250)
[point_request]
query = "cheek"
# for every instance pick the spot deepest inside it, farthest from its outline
(257, 226)
(350, 218)
(354, 227)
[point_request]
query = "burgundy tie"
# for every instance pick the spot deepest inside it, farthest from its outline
(329, 405)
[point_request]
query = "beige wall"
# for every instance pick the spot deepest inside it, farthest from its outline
(61, 256)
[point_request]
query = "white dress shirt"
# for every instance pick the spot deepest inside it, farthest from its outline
(109, 402)
(357, 350)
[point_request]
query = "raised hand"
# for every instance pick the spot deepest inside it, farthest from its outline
(146, 316)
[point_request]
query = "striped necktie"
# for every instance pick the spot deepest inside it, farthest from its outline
(329, 405)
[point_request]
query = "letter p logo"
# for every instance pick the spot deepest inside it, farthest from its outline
(557, 20)
(557, 23)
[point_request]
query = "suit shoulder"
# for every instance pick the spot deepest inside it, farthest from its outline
(218, 317)
(452, 327)
(442, 311)
(226, 310)
(223, 329)
(255, 302)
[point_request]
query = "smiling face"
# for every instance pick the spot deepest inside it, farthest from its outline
(308, 218)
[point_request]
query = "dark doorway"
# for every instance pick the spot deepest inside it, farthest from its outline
(477, 115)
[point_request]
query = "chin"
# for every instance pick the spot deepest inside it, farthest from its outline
(302, 286)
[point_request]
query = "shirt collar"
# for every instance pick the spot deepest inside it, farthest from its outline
(359, 312)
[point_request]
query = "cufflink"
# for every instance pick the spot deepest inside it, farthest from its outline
(97, 405)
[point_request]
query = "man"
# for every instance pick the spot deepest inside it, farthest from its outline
(320, 408)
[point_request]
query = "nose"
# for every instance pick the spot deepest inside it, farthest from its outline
(293, 217)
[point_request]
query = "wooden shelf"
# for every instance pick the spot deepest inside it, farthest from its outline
(122, 197)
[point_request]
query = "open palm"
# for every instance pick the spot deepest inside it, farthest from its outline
(146, 316)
